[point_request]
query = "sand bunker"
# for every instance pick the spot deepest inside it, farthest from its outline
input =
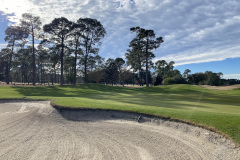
(35, 130)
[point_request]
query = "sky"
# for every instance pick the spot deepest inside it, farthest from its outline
(199, 35)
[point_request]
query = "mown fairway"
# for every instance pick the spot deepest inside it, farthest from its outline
(218, 109)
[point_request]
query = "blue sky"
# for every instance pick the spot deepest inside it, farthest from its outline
(199, 34)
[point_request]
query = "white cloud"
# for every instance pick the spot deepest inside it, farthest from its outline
(2, 45)
(201, 54)
(194, 31)
(231, 76)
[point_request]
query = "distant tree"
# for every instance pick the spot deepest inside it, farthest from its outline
(112, 73)
(169, 69)
(100, 63)
(54, 58)
(230, 81)
(220, 74)
(164, 71)
(126, 75)
(175, 73)
(212, 78)
(59, 29)
(161, 69)
(108, 62)
(69, 67)
(42, 58)
(133, 60)
(97, 76)
(148, 43)
(13, 34)
(119, 62)
(24, 63)
(92, 34)
(4, 63)
(186, 73)
(94, 61)
(136, 58)
(206, 78)
(196, 78)
(150, 78)
(31, 25)
(76, 42)
(174, 80)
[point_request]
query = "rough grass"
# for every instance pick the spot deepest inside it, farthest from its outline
(213, 108)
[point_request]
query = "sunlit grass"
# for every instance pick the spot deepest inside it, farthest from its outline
(219, 109)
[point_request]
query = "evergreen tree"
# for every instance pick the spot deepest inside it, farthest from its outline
(31, 25)
(14, 34)
(59, 30)
(147, 43)
(92, 34)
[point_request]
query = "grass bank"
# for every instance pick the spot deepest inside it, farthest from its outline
(214, 108)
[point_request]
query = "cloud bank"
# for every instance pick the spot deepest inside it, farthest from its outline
(194, 31)
(231, 76)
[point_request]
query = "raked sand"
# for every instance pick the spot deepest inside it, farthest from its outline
(35, 130)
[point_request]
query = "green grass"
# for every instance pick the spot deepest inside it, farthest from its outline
(214, 108)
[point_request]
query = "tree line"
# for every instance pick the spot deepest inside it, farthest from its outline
(59, 42)
(66, 52)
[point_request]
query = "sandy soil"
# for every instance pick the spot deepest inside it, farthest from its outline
(35, 130)
(221, 87)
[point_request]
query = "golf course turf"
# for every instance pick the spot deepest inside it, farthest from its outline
(216, 109)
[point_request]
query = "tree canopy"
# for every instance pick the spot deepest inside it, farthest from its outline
(69, 51)
(93, 32)
(146, 42)
(59, 29)
(31, 25)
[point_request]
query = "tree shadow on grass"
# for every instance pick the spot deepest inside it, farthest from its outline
(70, 90)
(183, 98)
(54, 91)
(167, 101)
(41, 91)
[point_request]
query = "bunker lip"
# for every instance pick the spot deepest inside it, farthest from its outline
(140, 117)
(49, 133)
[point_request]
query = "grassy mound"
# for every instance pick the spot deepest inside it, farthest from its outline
(213, 108)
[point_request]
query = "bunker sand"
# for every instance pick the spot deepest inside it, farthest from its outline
(35, 130)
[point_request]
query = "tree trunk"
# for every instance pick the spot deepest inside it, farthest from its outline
(33, 58)
(9, 66)
(85, 62)
(22, 77)
(52, 78)
(55, 75)
(41, 73)
(7, 71)
(62, 63)
(140, 77)
(75, 67)
(147, 85)
(139, 71)
(85, 71)
(38, 73)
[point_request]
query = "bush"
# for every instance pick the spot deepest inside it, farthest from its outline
(175, 80)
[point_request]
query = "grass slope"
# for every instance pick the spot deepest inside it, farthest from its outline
(218, 109)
